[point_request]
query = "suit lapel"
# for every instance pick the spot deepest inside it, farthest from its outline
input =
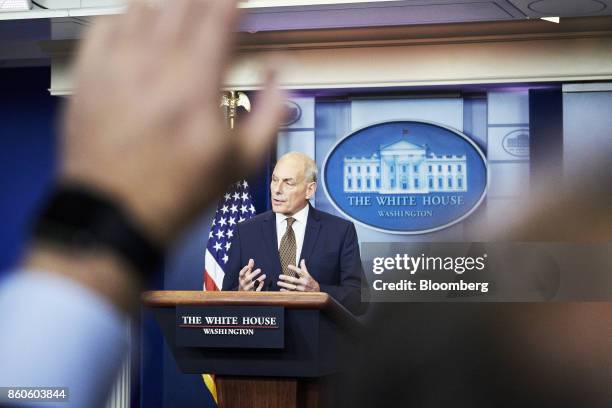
(313, 225)
(271, 242)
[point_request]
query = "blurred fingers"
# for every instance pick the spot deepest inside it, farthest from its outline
(303, 267)
(251, 276)
(261, 281)
(297, 270)
(213, 37)
(179, 19)
(250, 285)
(137, 22)
(285, 285)
(258, 131)
(99, 37)
(288, 278)
(243, 271)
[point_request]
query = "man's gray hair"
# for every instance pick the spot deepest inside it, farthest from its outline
(310, 167)
(310, 170)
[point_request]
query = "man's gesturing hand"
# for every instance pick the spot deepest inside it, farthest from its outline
(305, 282)
(145, 122)
(247, 279)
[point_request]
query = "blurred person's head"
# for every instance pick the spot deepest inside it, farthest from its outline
(504, 354)
(470, 355)
(294, 182)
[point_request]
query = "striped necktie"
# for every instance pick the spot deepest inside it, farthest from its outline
(287, 249)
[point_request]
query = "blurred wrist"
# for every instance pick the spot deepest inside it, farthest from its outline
(84, 220)
(137, 204)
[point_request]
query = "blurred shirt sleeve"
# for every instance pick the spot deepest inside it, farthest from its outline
(58, 333)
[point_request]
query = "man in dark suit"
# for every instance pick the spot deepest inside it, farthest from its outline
(295, 247)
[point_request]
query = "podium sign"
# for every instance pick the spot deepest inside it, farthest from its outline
(267, 349)
(230, 326)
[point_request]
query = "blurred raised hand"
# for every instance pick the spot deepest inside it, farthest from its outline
(145, 126)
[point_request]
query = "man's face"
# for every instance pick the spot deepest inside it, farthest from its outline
(289, 189)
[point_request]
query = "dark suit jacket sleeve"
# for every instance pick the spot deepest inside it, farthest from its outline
(232, 268)
(348, 292)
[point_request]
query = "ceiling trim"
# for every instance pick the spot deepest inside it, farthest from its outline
(528, 61)
(592, 27)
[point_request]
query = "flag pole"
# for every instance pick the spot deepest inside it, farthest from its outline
(233, 100)
(234, 207)
(232, 109)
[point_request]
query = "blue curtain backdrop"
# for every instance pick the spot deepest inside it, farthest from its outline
(27, 154)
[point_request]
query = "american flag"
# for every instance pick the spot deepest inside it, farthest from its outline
(235, 206)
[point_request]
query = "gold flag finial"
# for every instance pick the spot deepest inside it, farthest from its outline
(233, 100)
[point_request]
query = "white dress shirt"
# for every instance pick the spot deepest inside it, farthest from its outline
(299, 229)
(57, 333)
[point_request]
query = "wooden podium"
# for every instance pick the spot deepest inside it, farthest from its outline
(319, 336)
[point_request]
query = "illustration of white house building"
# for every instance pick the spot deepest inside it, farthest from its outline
(403, 167)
